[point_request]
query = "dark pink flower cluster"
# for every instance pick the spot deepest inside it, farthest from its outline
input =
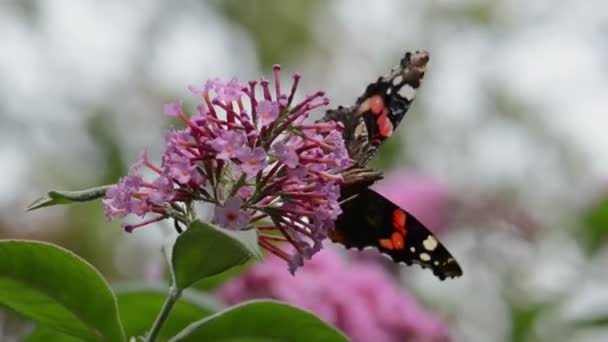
(253, 158)
(360, 298)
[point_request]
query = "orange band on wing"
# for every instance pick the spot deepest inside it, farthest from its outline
(376, 105)
(386, 244)
(399, 220)
(397, 240)
(385, 126)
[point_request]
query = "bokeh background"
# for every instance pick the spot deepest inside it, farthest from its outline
(503, 153)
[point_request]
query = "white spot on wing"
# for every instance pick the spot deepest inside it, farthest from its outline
(430, 243)
(413, 249)
(425, 257)
(408, 92)
(397, 80)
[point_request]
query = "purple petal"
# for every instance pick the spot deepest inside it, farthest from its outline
(173, 109)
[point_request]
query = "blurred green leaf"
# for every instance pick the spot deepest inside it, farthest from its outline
(42, 334)
(600, 321)
(216, 281)
(203, 251)
(389, 154)
(139, 308)
(58, 289)
(280, 29)
(261, 320)
(68, 197)
(595, 225)
(103, 133)
(482, 13)
(523, 321)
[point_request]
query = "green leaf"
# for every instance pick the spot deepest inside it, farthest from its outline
(525, 316)
(139, 308)
(389, 155)
(41, 334)
(294, 37)
(216, 281)
(595, 220)
(58, 289)
(203, 251)
(261, 320)
(592, 322)
(68, 197)
(523, 321)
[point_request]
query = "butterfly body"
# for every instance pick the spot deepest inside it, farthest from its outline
(368, 219)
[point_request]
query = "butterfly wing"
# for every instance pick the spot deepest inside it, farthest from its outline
(370, 220)
(381, 108)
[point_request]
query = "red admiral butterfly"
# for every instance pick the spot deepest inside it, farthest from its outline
(368, 219)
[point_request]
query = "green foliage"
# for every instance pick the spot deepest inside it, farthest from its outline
(103, 133)
(139, 307)
(68, 197)
(524, 317)
(261, 20)
(594, 322)
(41, 334)
(523, 321)
(58, 289)
(215, 281)
(72, 302)
(203, 251)
(388, 156)
(261, 321)
(595, 225)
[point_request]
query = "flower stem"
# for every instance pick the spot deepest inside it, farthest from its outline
(172, 297)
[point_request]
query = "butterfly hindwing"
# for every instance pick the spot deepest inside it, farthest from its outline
(370, 220)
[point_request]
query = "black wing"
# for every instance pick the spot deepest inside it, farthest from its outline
(370, 220)
(381, 108)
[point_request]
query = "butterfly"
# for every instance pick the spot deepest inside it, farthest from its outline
(368, 219)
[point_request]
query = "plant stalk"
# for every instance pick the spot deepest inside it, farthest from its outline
(172, 297)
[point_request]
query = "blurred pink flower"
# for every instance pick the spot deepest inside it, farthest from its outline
(359, 298)
(422, 196)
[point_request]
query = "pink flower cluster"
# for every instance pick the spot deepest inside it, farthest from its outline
(360, 299)
(253, 158)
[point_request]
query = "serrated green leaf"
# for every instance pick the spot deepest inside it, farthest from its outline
(67, 197)
(58, 289)
(139, 308)
(261, 320)
(203, 251)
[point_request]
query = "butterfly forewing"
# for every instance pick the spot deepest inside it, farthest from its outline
(381, 108)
